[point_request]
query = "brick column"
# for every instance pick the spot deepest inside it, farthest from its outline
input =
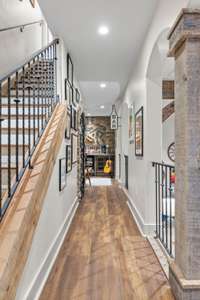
(184, 40)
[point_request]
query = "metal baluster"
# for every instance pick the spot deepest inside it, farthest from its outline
(55, 76)
(33, 104)
(1, 120)
(156, 190)
(9, 137)
(170, 209)
(52, 79)
(47, 96)
(17, 127)
(29, 117)
(43, 85)
(159, 199)
(23, 116)
(162, 203)
(166, 207)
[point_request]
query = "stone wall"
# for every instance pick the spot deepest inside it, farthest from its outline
(98, 132)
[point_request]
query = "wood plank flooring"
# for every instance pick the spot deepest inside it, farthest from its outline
(104, 257)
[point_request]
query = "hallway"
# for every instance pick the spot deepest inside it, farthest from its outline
(104, 256)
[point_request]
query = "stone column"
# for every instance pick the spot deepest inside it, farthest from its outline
(184, 40)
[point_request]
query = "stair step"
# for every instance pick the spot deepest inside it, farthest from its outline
(20, 130)
(20, 123)
(4, 138)
(38, 110)
(20, 116)
(4, 149)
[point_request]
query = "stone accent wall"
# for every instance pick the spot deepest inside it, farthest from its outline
(98, 132)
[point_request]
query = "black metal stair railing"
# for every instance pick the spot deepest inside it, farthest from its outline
(28, 96)
(165, 205)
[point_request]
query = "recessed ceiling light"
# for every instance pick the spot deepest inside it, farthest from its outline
(102, 106)
(103, 30)
(88, 114)
(103, 85)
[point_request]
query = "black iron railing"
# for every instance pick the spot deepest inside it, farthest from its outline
(165, 205)
(28, 97)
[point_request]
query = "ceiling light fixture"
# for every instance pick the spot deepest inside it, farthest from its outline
(102, 106)
(103, 30)
(103, 85)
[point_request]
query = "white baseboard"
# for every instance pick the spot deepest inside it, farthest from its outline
(145, 229)
(41, 277)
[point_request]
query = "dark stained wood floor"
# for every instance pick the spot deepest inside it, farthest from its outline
(104, 257)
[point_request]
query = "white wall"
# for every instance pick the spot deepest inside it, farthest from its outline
(57, 206)
(17, 46)
(168, 130)
(144, 89)
(53, 221)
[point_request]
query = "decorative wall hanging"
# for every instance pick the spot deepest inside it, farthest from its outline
(68, 127)
(62, 174)
(33, 2)
(74, 143)
(78, 96)
(74, 97)
(68, 92)
(131, 124)
(68, 158)
(114, 118)
(70, 70)
(171, 152)
(73, 118)
(139, 132)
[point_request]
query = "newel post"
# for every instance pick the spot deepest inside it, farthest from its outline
(184, 40)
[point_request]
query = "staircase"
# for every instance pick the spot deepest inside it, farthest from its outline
(167, 111)
(27, 100)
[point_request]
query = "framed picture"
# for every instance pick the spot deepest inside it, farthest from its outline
(73, 118)
(68, 126)
(74, 97)
(131, 124)
(68, 158)
(139, 132)
(68, 92)
(78, 96)
(62, 174)
(70, 70)
(74, 142)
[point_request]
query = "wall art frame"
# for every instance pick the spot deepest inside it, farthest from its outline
(62, 174)
(68, 92)
(70, 70)
(139, 132)
(68, 125)
(68, 158)
(78, 96)
(74, 143)
(73, 118)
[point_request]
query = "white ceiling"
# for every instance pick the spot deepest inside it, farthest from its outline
(97, 58)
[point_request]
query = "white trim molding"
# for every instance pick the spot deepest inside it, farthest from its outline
(45, 268)
(145, 228)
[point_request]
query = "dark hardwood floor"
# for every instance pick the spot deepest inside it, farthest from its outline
(104, 257)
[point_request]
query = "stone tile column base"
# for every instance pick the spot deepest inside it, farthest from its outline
(182, 288)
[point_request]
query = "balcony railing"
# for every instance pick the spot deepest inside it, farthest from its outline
(165, 205)
(28, 97)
